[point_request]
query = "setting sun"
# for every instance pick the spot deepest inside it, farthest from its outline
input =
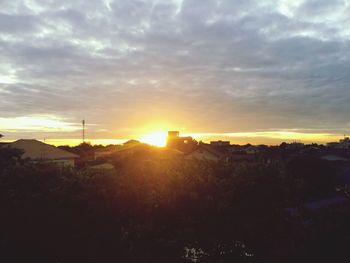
(156, 139)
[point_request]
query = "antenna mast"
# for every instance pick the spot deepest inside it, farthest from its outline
(83, 122)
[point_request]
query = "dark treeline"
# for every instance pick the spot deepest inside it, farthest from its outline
(154, 209)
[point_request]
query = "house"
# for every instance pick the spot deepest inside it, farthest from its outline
(342, 144)
(131, 143)
(165, 153)
(38, 151)
(105, 152)
(206, 153)
(345, 143)
(251, 149)
(220, 143)
(295, 146)
(185, 144)
(110, 150)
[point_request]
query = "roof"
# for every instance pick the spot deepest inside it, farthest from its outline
(131, 142)
(34, 149)
(131, 146)
(108, 149)
(210, 149)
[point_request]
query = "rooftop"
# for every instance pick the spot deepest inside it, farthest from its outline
(35, 149)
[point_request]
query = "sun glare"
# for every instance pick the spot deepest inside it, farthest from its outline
(156, 139)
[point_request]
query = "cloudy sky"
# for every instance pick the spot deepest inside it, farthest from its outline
(199, 66)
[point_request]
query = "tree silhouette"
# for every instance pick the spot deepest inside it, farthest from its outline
(156, 209)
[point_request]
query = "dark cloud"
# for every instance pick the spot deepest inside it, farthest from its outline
(217, 66)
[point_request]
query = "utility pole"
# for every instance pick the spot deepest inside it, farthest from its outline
(83, 122)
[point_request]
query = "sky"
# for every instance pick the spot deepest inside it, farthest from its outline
(258, 71)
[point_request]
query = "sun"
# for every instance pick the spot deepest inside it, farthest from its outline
(155, 139)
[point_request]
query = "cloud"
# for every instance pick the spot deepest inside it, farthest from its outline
(321, 7)
(37, 123)
(17, 24)
(221, 66)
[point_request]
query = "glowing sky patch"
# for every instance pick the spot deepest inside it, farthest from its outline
(269, 137)
(37, 123)
(159, 138)
(156, 139)
(7, 79)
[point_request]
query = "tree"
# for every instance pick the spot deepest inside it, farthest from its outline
(8, 156)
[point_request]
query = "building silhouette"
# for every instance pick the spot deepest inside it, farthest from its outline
(185, 144)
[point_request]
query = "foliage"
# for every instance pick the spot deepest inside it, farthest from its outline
(9, 156)
(154, 209)
(85, 151)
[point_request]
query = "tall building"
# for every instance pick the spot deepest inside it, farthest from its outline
(184, 144)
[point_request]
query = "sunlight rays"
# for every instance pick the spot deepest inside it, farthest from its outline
(155, 138)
